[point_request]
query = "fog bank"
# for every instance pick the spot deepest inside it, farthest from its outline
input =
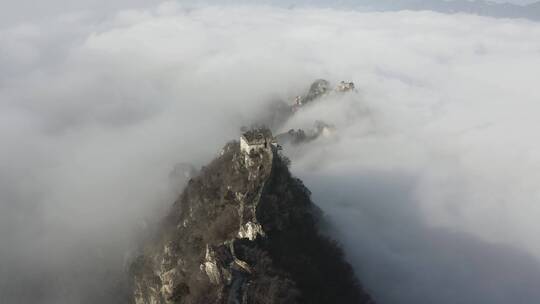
(430, 179)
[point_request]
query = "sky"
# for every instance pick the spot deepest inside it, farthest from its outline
(430, 180)
(25, 10)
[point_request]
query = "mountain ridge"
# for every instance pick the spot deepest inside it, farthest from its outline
(244, 231)
(478, 7)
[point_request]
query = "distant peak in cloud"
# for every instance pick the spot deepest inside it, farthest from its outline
(499, 9)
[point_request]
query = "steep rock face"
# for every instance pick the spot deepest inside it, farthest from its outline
(243, 231)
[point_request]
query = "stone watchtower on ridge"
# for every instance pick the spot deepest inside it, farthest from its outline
(345, 86)
(254, 140)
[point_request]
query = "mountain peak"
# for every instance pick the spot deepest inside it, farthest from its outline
(244, 231)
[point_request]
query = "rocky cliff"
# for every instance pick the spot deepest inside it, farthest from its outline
(243, 231)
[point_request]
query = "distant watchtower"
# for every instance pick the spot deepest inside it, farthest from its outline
(257, 139)
(345, 86)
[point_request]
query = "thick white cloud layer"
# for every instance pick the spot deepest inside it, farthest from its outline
(431, 179)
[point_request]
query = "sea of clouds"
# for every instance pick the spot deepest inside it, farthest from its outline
(430, 180)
